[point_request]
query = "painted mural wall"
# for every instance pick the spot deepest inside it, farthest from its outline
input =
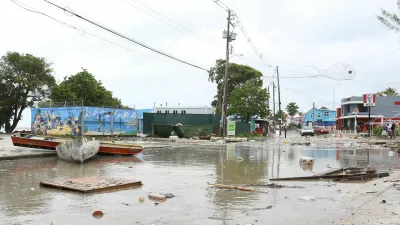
(76, 121)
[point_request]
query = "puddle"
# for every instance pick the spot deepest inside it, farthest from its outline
(185, 173)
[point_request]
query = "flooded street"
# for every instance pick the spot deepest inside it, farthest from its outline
(185, 172)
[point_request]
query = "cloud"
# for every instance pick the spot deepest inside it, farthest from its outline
(291, 34)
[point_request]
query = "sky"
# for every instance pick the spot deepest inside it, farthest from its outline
(304, 38)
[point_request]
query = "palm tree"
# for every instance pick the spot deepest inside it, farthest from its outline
(391, 20)
(388, 92)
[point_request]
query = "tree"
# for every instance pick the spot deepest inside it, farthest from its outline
(390, 20)
(388, 92)
(280, 115)
(83, 86)
(292, 108)
(248, 101)
(238, 76)
(24, 80)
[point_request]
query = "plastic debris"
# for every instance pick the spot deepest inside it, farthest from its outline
(168, 195)
(98, 214)
(141, 199)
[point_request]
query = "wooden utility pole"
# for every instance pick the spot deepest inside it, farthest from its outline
(225, 92)
(273, 105)
(279, 101)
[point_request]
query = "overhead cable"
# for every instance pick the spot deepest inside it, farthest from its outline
(125, 37)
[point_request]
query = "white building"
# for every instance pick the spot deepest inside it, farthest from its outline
(185, 110)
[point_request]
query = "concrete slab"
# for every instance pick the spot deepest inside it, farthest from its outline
(90, 184)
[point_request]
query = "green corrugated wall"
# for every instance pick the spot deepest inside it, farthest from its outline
(185, 119)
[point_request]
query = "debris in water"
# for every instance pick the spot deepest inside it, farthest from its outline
(32, 189)
(308, 198)
(169, 195)
(90, 184)
(125, 204)
(157, 197)
(141, 199)
(98, 214)
(268, 207)
(383, 201)
(223, 186)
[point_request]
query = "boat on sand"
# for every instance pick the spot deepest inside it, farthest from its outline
(78, 150)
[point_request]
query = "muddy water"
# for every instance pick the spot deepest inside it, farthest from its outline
(185, 173)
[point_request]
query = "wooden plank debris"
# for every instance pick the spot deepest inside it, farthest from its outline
(91, 184)
(343, 174)
(223, 186)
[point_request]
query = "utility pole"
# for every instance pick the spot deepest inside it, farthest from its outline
(313, 113)
(273, 104)
(279, 100)
(229, 37)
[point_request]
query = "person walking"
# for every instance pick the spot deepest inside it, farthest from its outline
(392, 129)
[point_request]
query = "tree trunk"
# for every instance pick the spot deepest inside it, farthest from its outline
(247, 119)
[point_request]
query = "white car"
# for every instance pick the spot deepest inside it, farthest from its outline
(307, 131)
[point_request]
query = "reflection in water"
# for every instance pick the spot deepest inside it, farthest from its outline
(184, 172)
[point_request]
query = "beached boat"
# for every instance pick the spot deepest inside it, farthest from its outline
(77, 150)
(106, 148)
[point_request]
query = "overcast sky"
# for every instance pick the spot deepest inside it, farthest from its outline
(292, 34)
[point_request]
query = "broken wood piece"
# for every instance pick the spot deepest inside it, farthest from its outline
(272, 185)
(363, 177)
(333, 177)
(223, 186)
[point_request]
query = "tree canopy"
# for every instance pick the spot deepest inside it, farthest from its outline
(24, 80)
(246, 96)
(390, 20)
(280, 114)
(292, 108)
(238, 75)
(83, 86)
(388, 92)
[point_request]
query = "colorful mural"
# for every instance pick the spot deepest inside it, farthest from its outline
(93, 121)
(57, 121)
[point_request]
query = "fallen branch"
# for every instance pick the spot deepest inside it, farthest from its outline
(359, 176)
(223, 186)
(272, 185)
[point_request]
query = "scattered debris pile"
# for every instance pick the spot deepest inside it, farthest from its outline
(343, 174)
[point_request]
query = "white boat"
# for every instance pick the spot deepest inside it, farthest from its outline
(78, 150)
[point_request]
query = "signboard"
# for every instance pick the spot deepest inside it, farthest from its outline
(369, 100)
(231, 128)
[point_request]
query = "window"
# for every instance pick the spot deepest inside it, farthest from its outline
(312, 115)
(326, 114)
(175, 111)
(183, 112)
(167, 111)
(319, 115)
(158, 111)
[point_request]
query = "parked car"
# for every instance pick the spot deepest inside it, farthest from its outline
(324, 130)
(317, 130)
(307, 131)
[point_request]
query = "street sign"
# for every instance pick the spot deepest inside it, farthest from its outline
(369, 100)
(231, 128)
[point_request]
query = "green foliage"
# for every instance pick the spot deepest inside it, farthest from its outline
(397, 131)
(238, 76)
(378, 130)
(84, 86)
(298, 126)
(292, 108)
(390, 20)
(389, 92)
(24, 80)
(248, 101)
(280, 115)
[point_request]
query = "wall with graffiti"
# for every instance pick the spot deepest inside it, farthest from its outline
(76, 121)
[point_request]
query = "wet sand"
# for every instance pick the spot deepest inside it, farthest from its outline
(185, 171)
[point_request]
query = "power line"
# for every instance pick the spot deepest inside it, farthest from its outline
(80, 30)
(167, 20)
(126, 37)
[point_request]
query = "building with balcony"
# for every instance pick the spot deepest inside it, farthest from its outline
(323, 117)
(387, 109)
